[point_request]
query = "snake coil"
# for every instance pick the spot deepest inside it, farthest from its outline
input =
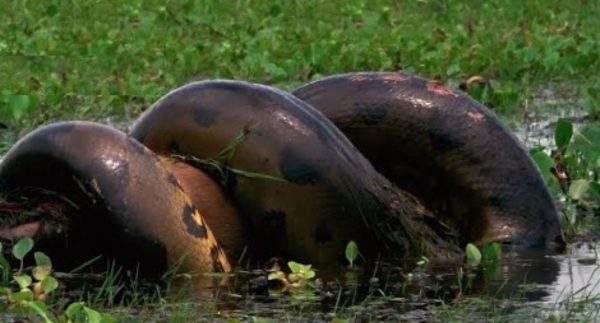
(392, 161)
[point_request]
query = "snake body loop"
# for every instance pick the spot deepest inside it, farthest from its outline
(126, 199)
(445, 148)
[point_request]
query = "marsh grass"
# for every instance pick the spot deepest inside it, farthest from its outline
(65, 60)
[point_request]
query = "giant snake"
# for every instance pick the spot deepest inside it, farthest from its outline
(402, 165)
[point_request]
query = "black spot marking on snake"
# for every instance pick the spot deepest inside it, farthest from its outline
(173, 147)
(442, 143)
(194, 228)
(499, 202)
(205, 116)
(139, 148)
(322, 235)
(173, 180)
(215, 252)
(275, 220)
(296, 169)
(371, 113)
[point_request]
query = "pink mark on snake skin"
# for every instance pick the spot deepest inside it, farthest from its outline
(476, 116)
(438, 88)
(394, 77)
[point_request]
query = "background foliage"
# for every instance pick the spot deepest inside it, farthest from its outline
(66, 59)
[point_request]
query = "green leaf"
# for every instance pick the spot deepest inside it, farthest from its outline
(41, 259)
(587, 142)
(545, 163)
(23, 280)
(295, 267)
(492, 252)
(19, 105)
(578, 188)
(41, 272)
(25, 295)
(304, 271)
(563, 133)
(473, 254)
(22, 248)
(107, 318)
(49, 284)
(41, 309)
(309, 274)
(73, 309)
(92, 315)
(351, 252)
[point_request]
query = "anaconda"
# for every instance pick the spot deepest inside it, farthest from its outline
(445, 148)
(128, 205)
(316, 190)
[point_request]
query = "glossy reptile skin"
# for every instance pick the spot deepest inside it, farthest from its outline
(124, 196)
(328, 191)
(434, 143)
(445, 148)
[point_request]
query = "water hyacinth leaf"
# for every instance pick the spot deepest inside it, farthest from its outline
(41, 259)
(305, 271)
(49, 284)
(563, 133)
(545, 163)
(41, 309)
(473, 254)
(22, 248)
(92, 315)
(491, 252)
(25, 295)
(23, 281)
(295, 267)
(107, 318)
(309, 274)
(587, 142)
(351, 252)
(73, 309)
(41, 272)
(578, 188)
